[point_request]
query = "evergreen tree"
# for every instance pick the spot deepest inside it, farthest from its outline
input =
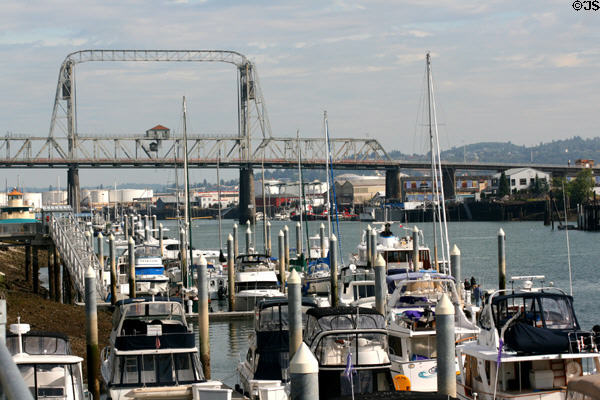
(503, 186)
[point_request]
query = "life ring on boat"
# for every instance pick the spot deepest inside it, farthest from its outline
(401, 383)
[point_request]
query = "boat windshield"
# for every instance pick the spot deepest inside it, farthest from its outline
(157, 369)
(396, 256)
(147, 251)
(276, 318)
(38, 344)
(53, 381)
(423, 292)
(367, 348)
(314, 326)
(537, 309)
(157, 310)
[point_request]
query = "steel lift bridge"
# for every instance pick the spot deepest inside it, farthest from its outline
(252, 146)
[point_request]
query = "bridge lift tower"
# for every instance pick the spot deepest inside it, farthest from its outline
(252, 110)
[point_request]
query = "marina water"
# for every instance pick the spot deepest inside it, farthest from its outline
(531, 249)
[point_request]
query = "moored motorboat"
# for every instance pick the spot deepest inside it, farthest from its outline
(530, 346)
(46, 362)
(255, 279)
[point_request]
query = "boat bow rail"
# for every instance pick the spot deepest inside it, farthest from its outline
(75, 250)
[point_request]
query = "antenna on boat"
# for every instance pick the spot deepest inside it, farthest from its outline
(567, 235)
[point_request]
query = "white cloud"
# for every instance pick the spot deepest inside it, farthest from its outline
(419, 34)
(567, 60)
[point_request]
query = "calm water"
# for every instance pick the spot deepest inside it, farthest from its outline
(531, 249)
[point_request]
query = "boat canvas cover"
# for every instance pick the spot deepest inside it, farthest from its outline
(325, 319)
(272, 349)
(413, 276)
(525, 338)
(39, 343)
(589, 385)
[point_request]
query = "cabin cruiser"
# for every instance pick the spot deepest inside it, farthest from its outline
(396, 251)
(317, 278)
(151, 345)
(267, 359)
(530, 346)
(255, 279)
(149, 270)
(339, 336)
(46, 362)
(411, 325)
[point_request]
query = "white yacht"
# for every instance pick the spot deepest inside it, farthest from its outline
(151, 346)
(530, 346)
(411, 325)
(46, 362)
(255, 279)
(150, 274)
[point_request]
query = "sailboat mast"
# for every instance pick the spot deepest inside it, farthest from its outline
(300, 197)
(188, 216)
(327, 173)
(219, 199)
(433, 170)
(177, 183)
(264, 204)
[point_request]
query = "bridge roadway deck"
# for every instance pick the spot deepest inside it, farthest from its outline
(282, 163)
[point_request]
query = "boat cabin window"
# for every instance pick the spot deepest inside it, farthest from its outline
(252, 285)
(157, 369)
(314, 326)
(174, 246)
(362, 291)
(395, 256)
(61, 381)
(558, 313)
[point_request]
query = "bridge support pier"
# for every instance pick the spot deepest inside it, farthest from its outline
(68, 290)
(393, 185)
(449, 182)
(247, 198)
(73, 188)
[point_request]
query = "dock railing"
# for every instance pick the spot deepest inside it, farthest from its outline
(75, 250)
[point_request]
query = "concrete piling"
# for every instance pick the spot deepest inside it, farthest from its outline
(230, 273)
(373, 240)
(294, 311)
(269, 249)
(126, 228)
(415, 252)
(113, 269)
(131, 271)
(322, 240)
(444, 330)
(51, 288)
(335, 299)
(298, 239)
(248, 238)
(28, 262)
(304, 374)
(368, 243)
(133, 227)
(147, 234)
(161, 239)
(101, 250)
(456, 271)
(380, 286)
(36, 270)
(91, 332)
(235, 241)
(57, 280)
(286, 242)
(281, 259)
(203, 331)
(154, 225)
(501, 259)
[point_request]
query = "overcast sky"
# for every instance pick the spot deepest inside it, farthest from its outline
(525, 72)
